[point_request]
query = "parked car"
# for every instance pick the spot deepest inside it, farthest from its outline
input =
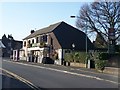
(47, 60)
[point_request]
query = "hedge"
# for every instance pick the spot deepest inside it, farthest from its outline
(75, 57)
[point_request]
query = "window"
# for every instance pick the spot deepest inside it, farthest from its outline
(29, 42)
(32, 40)
(24, 43)
(45, 38)
(29, 45)
(41, 39)
(37, 39)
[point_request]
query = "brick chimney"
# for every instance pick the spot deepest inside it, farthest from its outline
(32, 31)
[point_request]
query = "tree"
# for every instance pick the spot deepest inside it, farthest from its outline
(98, 17)
(99, 43)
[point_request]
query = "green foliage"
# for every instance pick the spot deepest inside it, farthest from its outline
(100, 64)
(106, 56)
(75, 57)
(99, 43)
(103, 56)
(117, 48)
(42, 44)
(68, 57)
(83, 57)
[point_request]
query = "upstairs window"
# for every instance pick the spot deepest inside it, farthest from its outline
(32, 40)
(41, 38)
(24, 43)
(45, 38)
(29, 42)
(37, 39)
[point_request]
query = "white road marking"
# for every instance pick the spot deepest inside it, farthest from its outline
(96, 73)
(72, 73)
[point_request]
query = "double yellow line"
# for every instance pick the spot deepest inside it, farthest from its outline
(21, 79)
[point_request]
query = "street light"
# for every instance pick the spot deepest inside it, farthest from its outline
(85, 33)
(73, 46)
(74, 16)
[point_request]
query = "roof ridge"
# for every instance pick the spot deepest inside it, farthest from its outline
(51, 25)
(44, 30)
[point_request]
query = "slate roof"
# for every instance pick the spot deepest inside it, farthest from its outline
(44, 30)
(66, 36)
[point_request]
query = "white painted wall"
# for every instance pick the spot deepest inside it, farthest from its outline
(60, 56)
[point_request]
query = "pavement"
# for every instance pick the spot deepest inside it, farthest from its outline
(84, 71)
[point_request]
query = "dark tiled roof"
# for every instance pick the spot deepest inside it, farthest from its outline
(67, 35)
(44, 30)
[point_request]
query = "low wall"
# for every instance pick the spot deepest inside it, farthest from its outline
(77, 64)
(111, 70)
(114, 62)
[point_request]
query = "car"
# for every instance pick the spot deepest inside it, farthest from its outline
(47, 60)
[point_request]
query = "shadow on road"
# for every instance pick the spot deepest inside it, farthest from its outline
(10, 83)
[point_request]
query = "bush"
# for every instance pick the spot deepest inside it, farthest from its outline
(106, 56)
(117, 48)
(75, 57)
(103, 56)
(68, 57)
(83, 57)
(100, 64)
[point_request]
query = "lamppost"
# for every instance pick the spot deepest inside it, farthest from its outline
(86, 47)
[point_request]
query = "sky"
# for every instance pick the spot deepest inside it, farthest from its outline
(19, 18)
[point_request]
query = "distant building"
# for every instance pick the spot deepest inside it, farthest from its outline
(1, 48)
(10, 45)
(54, 40)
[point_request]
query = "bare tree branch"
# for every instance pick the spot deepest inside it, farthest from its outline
(99, 17)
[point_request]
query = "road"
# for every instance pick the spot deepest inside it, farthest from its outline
(41, 77)
(11, 82)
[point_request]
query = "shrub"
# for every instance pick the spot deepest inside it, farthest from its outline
(103, 56)
(100, 64)
(117, 48)
(42, 44)
(83, 57)
(106, 56)
(68, 57)
(75, 57)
